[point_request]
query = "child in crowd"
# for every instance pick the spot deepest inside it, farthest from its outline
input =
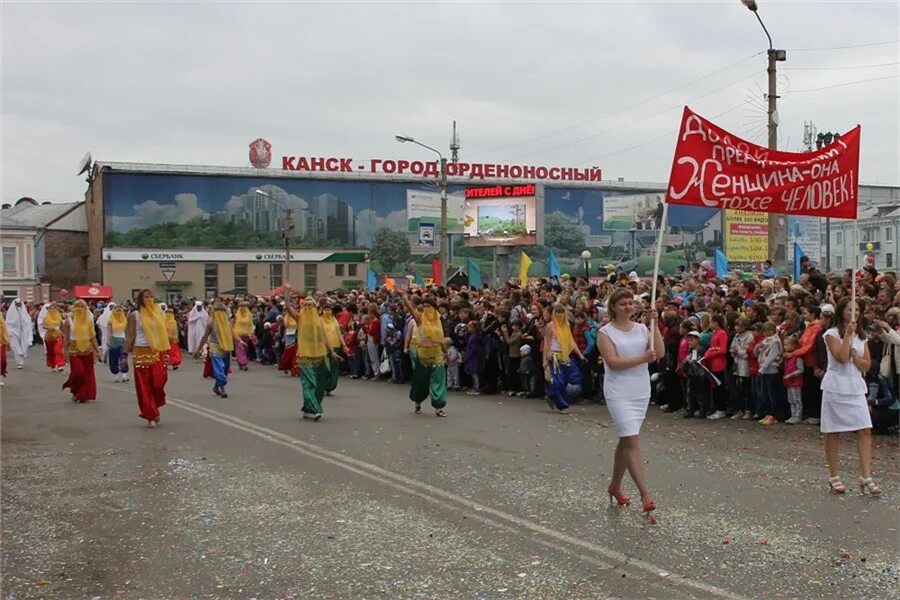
(512, 335)
(740, 346)
(793, 379)
(454, 360)
(527, 374)
(698, 383)
(352, 344)
(769, 353)
(473, 358)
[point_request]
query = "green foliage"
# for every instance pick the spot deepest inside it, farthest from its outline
(561, 235)
(390, 248)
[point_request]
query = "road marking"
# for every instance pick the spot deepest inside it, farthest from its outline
(432, 494)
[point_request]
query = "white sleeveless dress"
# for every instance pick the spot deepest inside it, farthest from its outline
(844, 390)
(627, 391)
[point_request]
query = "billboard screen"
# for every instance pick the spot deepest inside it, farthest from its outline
(633, 212)
(500, 221)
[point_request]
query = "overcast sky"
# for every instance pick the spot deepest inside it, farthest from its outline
(553, 84)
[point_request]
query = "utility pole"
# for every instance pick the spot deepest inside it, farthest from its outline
(444, 235)
(287, 232)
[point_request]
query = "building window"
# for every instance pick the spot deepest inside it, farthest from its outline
(840, 237)
(839, 262)
(351, 270)
(10, 295)
(9, 259)
(310, 277)
(889, 260)
(275, 275)
(240, 279)
(888, 234)
(338, 270)
(211, 280)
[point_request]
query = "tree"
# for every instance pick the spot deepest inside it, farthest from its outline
(562, 235)
(390, 248)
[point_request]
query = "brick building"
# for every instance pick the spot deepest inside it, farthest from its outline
(45, 248)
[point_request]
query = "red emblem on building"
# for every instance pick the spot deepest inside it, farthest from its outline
(260, 153)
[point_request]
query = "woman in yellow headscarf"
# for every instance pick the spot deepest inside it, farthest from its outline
(147, 340)
(429, 377)
(243, 332)
(559, 346)
(220, 337)
(81, 350)
(312, 353)
(172, 333)
(288, 361)
(4, 346)
(115, 337)
(51, 324)
(335, 342)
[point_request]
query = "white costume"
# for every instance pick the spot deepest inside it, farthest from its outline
(197, 320)
(21, 330)
(627, 391)
(42, 314)
(103, 322)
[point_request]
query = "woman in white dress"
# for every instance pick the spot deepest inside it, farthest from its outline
(625, 348)
(844, 406)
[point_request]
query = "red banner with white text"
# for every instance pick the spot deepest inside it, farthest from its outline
(715, 169)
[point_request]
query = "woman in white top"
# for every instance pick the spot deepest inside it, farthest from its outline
(625, 348)
(844, 406)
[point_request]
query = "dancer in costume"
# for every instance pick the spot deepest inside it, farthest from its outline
(625, 348)
(311, 351)
(288, 362)
(52, 334)
(243, 333)
(81, 352)
(335, 342)
(559, 346)
(116, 358)
(174, 347)
(197, 320)
(146, 340)
(427, 355)
(220, 338)
(102, 324)
(4, 347)
(21, 331)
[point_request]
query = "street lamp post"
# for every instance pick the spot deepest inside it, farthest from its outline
(586, 259)
(442, 182)
(286, 230)
(777, 234)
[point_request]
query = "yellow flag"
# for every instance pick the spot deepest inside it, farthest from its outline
(524, 263)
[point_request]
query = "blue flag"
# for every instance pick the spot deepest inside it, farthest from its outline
(371, 280)
(417, 279)
(798, 254)
(474, 273)
(554, 265)
(722, 269)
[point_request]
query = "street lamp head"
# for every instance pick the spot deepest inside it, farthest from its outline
(751, 4)
(586, 255)
(262, 193)
(403, 138)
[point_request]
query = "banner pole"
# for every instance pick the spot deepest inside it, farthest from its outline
(659, 240)
(855, 268)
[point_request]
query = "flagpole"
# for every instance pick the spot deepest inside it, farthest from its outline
(659, 240)
(855, 269)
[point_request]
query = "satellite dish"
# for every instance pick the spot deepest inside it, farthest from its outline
(85, 163)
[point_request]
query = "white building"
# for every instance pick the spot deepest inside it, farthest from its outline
(879, 224)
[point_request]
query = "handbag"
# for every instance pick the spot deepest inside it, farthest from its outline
(385, 367)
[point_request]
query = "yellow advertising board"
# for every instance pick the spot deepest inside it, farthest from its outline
(746, 236)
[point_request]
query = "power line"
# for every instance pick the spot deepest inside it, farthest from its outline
(616, 112)
(842, 47)
(837, 85)
(892, 64)
(641, 120)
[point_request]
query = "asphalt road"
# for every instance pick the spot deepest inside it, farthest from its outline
(240, 498)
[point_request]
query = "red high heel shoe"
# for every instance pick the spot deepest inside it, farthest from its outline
(615, 495)
(649, 506)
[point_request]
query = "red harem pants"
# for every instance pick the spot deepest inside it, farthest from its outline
(55, 358)
(81, 379)
(2, 361)
(149, 382)
(289, 361)
(174, 354)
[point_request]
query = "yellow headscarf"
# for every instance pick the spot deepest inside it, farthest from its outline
(171, 326)
(564, 335)
(223, 329)
(289, 322)
(4, 331)
(154, 325)
(243, 321)
(53, 319)
(82, 327)
(117, 320)
(310, 340)
(332, 329)
(432, 331)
